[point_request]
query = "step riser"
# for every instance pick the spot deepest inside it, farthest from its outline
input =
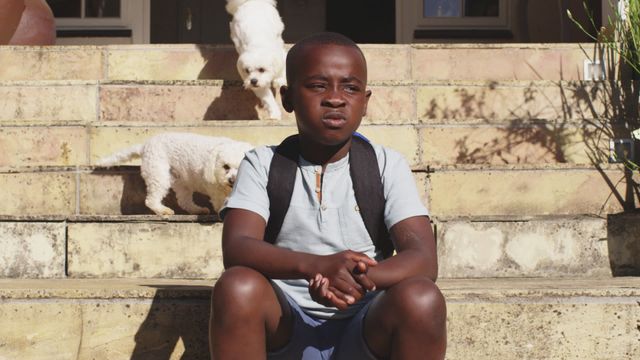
(402, 103)
(132, 328)
(386, 62)
(48, 102)
(580, 247)
(452, 193)
(552, 248)
(95, 329)
(32, 250)
(145, 250)
(522, 193)
(30, 146)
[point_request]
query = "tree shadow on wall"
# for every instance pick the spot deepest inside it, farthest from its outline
(177, 322)
(559, 122)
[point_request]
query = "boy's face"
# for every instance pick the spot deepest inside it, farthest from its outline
(328, 93)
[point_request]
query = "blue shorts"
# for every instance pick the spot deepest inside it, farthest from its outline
(322, 339)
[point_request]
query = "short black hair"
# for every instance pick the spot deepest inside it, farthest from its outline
(322, 38)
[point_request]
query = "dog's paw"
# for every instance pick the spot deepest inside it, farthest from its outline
(201, 211)
(275, 114)
(165, 212)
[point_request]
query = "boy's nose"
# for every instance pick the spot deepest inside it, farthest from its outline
(333, 101)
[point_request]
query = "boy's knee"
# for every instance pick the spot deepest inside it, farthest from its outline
(239, 286)
(419, 301)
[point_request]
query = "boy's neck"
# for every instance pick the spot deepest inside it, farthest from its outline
(323, 154)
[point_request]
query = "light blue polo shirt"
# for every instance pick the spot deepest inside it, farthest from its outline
(331, 226)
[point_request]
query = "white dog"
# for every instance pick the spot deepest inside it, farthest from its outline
(187, 163)
(256, 32)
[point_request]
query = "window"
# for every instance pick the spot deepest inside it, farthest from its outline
(86, 9)
(449, 18)
(461, 8)
(100, 17)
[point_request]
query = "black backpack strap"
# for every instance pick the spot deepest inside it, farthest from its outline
(369, 193)
(282, 178)
(367, 186)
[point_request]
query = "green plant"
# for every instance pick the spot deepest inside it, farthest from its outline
(622, 35)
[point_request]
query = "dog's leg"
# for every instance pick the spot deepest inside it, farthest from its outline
(185, 200)
(269, 101)
(157, 176)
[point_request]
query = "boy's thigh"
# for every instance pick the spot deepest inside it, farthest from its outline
(243, 297)
(314, 338)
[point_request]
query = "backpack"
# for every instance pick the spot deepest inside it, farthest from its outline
(367, 186)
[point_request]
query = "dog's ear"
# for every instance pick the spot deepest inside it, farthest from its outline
(285, 94)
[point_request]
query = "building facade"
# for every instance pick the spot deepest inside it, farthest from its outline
(380, 21)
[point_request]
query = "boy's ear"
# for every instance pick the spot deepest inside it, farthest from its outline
(285, 94)
(367, 95)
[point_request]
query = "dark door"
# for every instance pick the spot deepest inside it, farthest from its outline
(364, 21)
(189, 21)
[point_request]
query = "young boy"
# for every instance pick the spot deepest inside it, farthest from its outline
(322, 290)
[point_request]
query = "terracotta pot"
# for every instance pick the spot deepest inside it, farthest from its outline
(37, 25)
(9, 18)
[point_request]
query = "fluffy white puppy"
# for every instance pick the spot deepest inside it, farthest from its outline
(187, 163)
(256, 32)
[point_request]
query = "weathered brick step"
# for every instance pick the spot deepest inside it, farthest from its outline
(521, 145)
(452, 193)
(189, 247)
(392, 102)
(385, 62)
(487, 319)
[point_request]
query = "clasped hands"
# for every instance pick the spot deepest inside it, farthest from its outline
(341, 279)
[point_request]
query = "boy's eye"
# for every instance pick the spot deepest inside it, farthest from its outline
(316, 86)
(352, 88)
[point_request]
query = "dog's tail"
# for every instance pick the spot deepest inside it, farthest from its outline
(121, 156)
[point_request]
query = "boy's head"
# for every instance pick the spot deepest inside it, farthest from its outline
(327, 87)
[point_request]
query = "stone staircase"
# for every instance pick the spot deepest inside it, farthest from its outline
(502, 140)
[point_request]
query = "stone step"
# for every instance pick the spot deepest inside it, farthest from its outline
(392, 102)
(146, 246)
(487, 319)
(457, 192)
(385, 62)
(531, 144)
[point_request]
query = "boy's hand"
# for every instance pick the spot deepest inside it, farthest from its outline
(346, 272)
(360, 274)
(320, 293)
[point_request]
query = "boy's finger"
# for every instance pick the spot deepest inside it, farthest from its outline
(324, 287)
(347, 294)
(365, 281)
(360, 268)
(335, 296)
(364, 258)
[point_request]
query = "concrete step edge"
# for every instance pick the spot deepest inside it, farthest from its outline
(203, 219)
(482, 289)
(214, 218)
(546, 167)
(492, 84)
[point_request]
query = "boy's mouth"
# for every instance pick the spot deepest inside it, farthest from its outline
(334, 119)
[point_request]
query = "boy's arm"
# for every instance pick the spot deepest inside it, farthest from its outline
(242, 244)
(416, 254)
